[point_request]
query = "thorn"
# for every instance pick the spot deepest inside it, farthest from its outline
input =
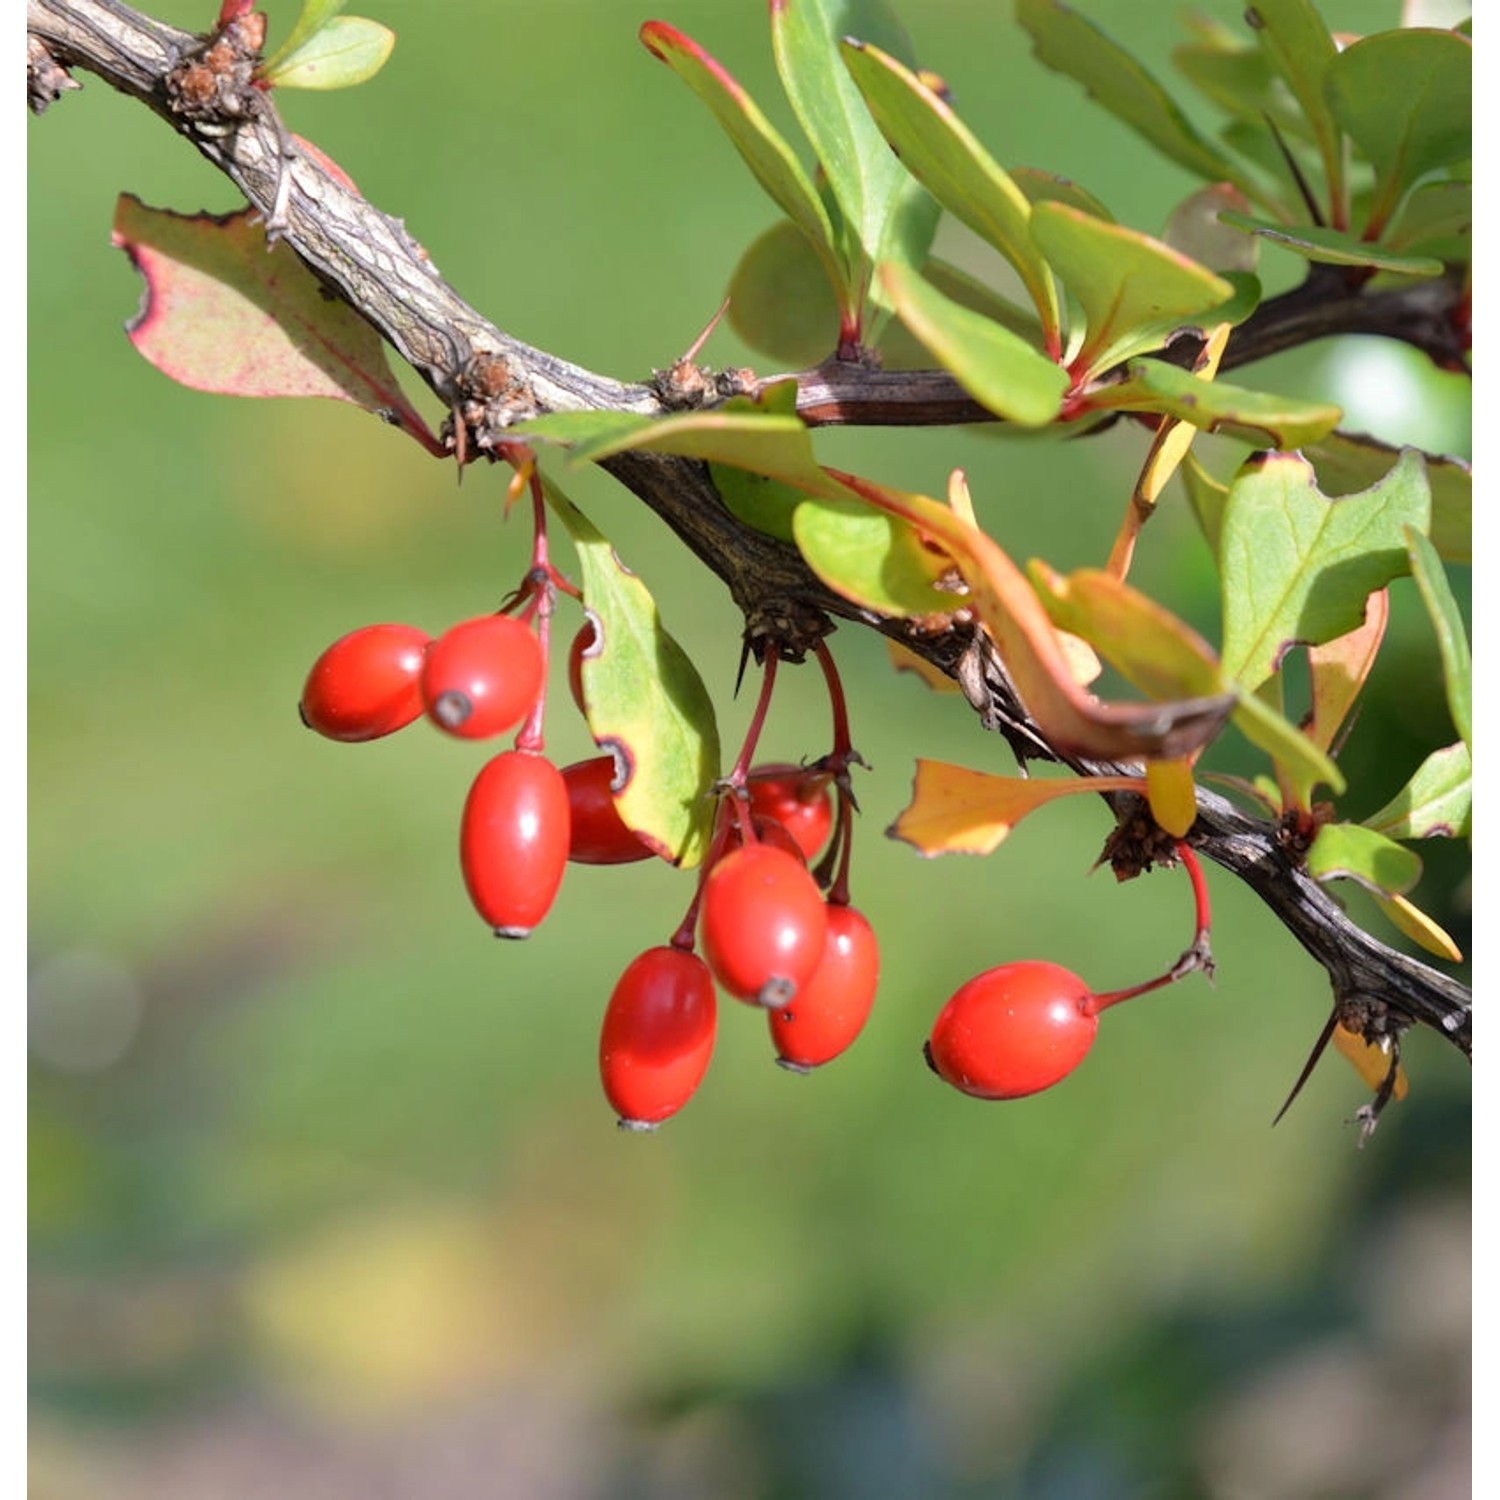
(1324, 1037)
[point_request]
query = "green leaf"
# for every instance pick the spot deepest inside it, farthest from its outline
(1133, 290)
(943, 155)
(1453, 642)
(1241, 81)
(763, 503)
(900, 349)
(646, 702)
(1148, 645)
(1301, 761)
(1333, 247)
(890, 216)
(1067, 43)
(1048, 187)
(780, 299)
(1012, 378)
(873, 558)
(315, 15)
(1347, 462)
(343, 52)
(226, 312)
(1348, 851)
(1207, 497)
(1436, 802)
(1438, 218)
(1405, 97)
(1296, 566)
(1299, 47)
(758, 142)
(1256, 416)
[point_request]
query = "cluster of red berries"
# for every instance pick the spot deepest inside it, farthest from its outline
(768, 935)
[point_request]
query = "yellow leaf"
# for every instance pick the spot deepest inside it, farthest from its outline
(904, 659)
(1372, 1063)
(1418, 926)
(1173, 798)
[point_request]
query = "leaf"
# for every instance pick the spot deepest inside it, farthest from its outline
(1337, 671)
(1215, 406)
(957, 811)
(1241, 81)
(1294, 39)
(1406, 98)
(1134, 291)
(646, 703)
(223, 313)
(891, 218)
(1197, 230)
(315, 15)
(1348, 851)
(346, 51)
(1067, 43)
(1346, 462)
(1207, 497)
(1149, 647)
(1296, 756)
(1453, 642)
(765, 504)
(1048, 187)
(1040, 668)
(1296, 566)
(1419, 927)
(999, 369)
(1438, 218)
(1371, 1062)
(874, 558)
(945, 157)
(781, 301)
(1436, 803)
(762, 147)
(1172, 795)
(1334, 247)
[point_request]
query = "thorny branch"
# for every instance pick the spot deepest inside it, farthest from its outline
(489, 379)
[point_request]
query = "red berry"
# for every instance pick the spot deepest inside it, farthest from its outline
(1013, 1031)
(366, 684)
(764, 922)
(583, 645)
(599, 835)
(830, 1010)
(767, 831)
(658, 1036)
(482, 676)
(797, 798)
(513, 843)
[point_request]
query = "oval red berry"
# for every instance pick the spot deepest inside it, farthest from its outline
(658, 1036)
(798, 799)
(764, 922)
(513, 841)
(599, 836)
(482, 676)
(366, 684)
(1013, 1030)
(830, 1010)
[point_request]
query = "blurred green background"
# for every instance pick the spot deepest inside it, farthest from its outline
(325, 1199)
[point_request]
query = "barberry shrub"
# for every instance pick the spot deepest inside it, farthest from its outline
(919, 275)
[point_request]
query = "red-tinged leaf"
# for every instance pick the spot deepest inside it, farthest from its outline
(998, 592)
(1339, 668)
(761, 146)
(957, 811)
(223, 313)
(1148, 645)
(1196, 229)
(1372, 1063)
(1172, 795)
(324, 160)
(1436, 803)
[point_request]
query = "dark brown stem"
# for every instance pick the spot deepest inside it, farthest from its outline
(369, 259)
